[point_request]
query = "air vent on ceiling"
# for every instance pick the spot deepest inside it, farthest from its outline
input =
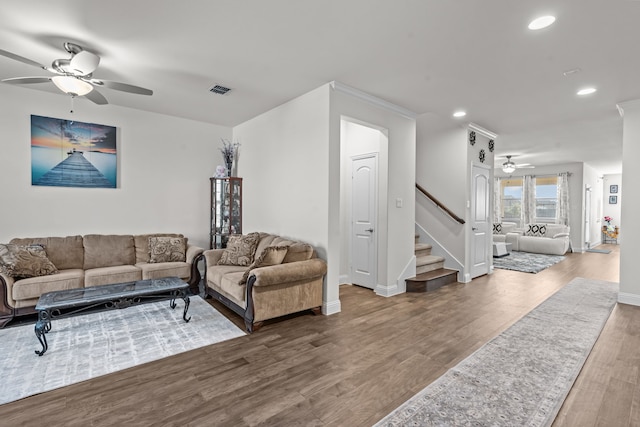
(220, 90)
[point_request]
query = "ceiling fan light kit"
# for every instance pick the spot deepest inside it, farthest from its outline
(72, 85)
(508, 168)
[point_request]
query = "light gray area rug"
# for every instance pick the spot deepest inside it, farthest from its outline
(526, 262)
(90, 345)
(521, 377)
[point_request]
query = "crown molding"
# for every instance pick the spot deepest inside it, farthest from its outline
(482, 131)
(379, 102)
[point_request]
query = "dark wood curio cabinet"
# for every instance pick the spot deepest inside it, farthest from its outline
(226, 210)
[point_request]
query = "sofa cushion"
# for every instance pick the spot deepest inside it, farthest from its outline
(141, 242)
(33, 287)
(110, 275)
(217, 272)
(231, 287)
(64, 252)
(25, 261)
(103, 250)
(554, 229)
(240, 249)
(536, 230)
(265, 240)
(167, 249)
(271, 255)
(298, 252)
(165, 269)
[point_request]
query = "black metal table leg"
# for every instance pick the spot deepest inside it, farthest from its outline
(186, 308)
(43, 325)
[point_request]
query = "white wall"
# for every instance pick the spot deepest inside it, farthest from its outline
(284, 164)
(164, 165)
(630, 206)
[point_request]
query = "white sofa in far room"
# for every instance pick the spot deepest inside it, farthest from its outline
(550, 239)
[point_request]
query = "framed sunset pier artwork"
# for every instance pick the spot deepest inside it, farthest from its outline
(68, 153)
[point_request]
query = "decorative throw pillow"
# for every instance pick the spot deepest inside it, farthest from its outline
(240, 249)
(271, 255)
(536, 230)
(25, 261)
(497, 228)
(167, 249)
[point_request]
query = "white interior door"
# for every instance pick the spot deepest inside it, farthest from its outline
(364, 249)
(480, 221)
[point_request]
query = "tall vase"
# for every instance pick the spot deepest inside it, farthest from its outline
(229, 166)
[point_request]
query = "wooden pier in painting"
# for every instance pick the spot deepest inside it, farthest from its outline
(75, 171)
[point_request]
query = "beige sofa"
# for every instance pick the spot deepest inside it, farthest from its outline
(93, 260)
(282, 277)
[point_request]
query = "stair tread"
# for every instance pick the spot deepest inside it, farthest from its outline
(422, 246)
(428, 259)
(433, 274)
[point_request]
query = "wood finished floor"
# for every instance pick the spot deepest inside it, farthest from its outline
(353, 368)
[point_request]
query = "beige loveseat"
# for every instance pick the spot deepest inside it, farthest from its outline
(261, 276)
(93, 260)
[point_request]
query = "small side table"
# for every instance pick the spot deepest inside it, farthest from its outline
(610, 236)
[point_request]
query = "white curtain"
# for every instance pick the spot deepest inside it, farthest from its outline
(528, 212)
(563, 198)
(497, 200)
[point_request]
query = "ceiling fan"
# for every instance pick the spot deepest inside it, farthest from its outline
(74, 76)
(510, 167)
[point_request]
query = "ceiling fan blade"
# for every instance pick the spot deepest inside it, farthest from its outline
(26, 80)
(20, 59)
(96, 97)
(123, 87)
(84, 62)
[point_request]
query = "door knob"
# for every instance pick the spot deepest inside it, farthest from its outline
(474, 229)
(370, 230)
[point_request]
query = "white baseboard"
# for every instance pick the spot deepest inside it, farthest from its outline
(387, 291)
(627, 298)
(331, 307)
(344, 278)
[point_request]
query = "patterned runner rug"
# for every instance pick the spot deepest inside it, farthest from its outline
(522, 376)
(526, 262)
(90, 345)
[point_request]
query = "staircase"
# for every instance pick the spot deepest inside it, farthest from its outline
(430, 271)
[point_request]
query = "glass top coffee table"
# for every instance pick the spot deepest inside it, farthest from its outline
(54, 305)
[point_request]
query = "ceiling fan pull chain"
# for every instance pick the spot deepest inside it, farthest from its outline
(72, 98)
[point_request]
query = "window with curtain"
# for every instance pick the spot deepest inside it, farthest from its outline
(546, 200)
(511, 199)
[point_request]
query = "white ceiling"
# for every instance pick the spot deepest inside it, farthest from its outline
(430, 56)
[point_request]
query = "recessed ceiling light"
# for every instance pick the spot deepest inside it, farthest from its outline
(586, 91)
(541, 22)
(459, 114)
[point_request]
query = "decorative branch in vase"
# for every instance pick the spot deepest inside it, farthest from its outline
(229, 152)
